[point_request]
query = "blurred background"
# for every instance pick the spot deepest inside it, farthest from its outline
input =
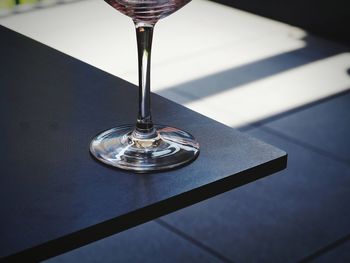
(277, 70)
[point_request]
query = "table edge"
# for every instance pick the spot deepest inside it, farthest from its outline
(116, 225)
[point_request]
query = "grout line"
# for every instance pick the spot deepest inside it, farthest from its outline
(246, 128)
(193, 241)
(325, 249)
(305, 145)
(296, 110)
(262, 125)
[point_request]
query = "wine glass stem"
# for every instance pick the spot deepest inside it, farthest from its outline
(144, 33)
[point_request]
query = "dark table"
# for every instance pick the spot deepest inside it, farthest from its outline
(54, 196)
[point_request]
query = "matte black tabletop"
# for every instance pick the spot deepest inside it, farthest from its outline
(54, 196)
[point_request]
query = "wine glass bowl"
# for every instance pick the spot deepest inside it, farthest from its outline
(145, 147)
(147, 11)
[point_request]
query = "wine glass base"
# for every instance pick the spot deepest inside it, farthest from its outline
(169, 148)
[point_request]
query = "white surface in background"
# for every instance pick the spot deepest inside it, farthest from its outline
(202, 39)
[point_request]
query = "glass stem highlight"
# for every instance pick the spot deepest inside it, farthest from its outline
(144, 34)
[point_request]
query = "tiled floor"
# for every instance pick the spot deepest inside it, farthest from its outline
(281, 218)
(271, 80)
(334, 253)
(149, 242)
(324, 127)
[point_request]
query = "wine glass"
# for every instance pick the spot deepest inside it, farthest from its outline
(145, 147)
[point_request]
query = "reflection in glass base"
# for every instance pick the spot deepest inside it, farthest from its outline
(125, 148)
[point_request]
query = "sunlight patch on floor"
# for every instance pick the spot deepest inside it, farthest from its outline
(278, 93)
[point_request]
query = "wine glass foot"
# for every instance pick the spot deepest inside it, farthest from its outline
(122, 148)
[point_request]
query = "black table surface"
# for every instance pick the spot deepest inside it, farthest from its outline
(54, 196)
